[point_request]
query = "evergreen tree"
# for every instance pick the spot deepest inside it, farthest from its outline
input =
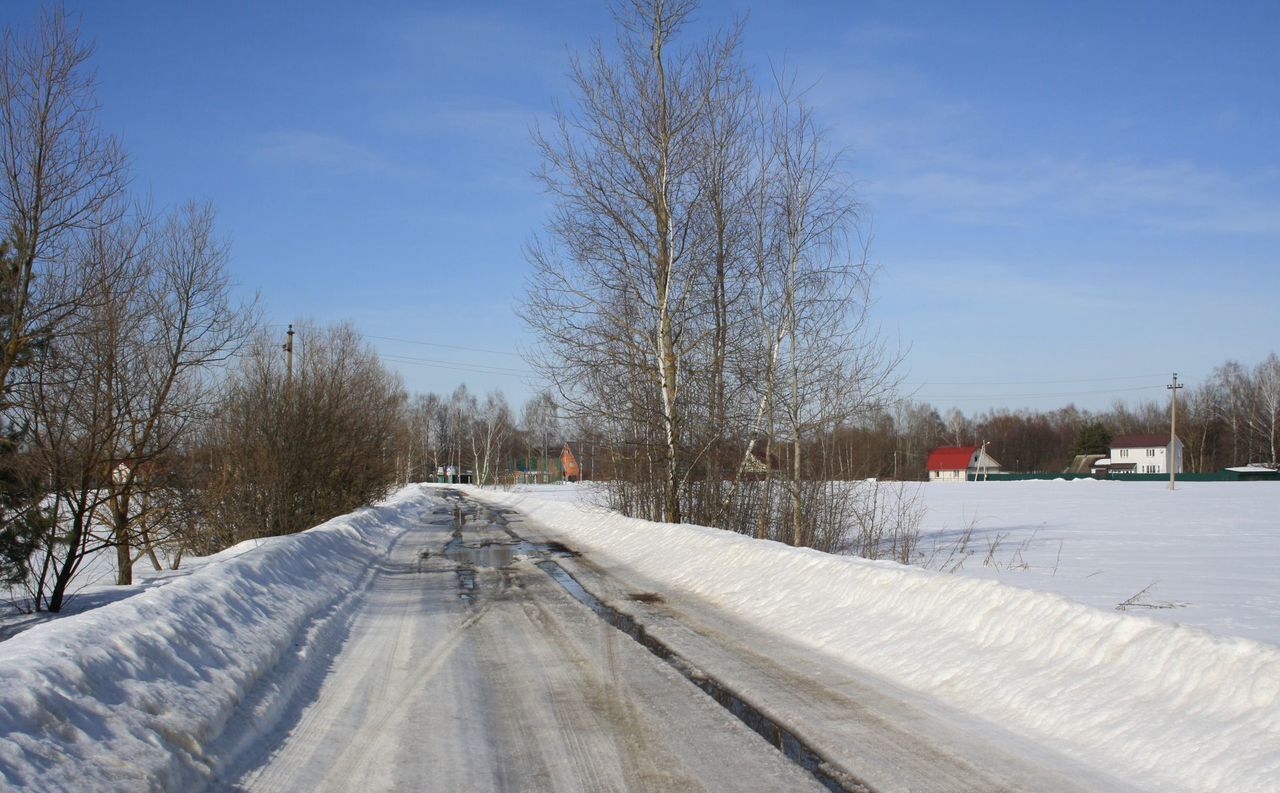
(22, 523)
(1093, 438)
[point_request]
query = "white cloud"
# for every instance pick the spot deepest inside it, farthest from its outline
(953, 157)
(331, 154)
(1018, 190)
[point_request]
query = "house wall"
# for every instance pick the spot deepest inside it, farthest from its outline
(572, 472)
(983, 462)
(1150, 459)
(946, 476)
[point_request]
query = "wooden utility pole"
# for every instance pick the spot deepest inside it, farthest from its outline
(1173, 432)
(288, 348)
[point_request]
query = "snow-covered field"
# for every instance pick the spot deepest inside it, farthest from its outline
(1207, 554)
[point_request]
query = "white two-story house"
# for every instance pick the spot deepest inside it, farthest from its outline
(1143, 454)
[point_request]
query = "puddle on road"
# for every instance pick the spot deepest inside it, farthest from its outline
(467, 584)
(495, 553)
(499, 553)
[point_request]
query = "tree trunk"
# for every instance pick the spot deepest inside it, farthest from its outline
(122, 531)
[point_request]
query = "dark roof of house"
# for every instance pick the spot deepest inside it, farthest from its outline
(950, 458)
(1139, 440)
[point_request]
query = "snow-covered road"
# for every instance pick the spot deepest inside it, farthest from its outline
(480, 673)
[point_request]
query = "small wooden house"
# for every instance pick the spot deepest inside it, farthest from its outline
(960, 463)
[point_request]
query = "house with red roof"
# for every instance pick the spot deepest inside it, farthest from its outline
(1143, 453)
(959, 463)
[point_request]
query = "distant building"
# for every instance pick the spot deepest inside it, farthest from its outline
(585, 462)
(541, 466)
(958, 463)
(572, 457)
(1143, 454)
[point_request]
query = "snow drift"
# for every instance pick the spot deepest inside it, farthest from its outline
(136, 695)
(1164, 706)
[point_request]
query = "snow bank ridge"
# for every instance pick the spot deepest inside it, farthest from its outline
(1162, 706)
(131, 695)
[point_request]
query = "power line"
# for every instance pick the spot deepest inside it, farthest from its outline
(454, 366)
(1044, 382)
(1035, 396)
(422, 343)
(446, 346)
(469, 364)
(436, 363)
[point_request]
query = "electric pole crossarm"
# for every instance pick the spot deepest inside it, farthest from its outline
(288, 348)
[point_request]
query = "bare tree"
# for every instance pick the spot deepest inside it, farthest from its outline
(278, 461)
(59, 175)
(1229, 384)
(625, 173)
(541, 424)
(1264, 412)
(72, 405)
(160, 369)
(490, 431)
(122, 385)
(424, 436)
(696, 296)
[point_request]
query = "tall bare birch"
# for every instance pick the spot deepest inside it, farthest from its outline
(623, 170)
(694, 296)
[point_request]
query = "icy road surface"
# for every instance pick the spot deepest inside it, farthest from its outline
(480, 673)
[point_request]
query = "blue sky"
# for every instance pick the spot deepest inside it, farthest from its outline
(1084, 193)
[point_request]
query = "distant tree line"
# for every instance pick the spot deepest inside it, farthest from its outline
(1232, 418)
